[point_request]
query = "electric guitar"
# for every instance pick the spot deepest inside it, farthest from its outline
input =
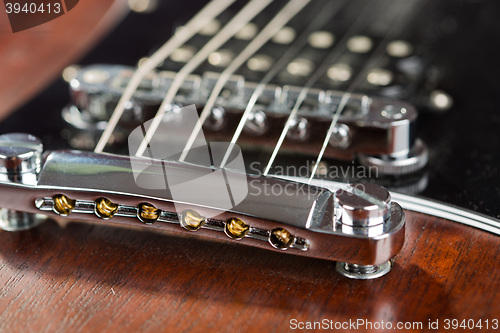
(260, 165)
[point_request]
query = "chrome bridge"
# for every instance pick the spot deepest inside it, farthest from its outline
(378, 132)
(359, 226)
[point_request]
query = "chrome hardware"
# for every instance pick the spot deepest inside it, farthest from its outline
(20, 157)
(303, 219)
(363, 272)
(12, 220)
(363, 209)
(299, 129)
(189, 219)
(414, 160)
(20, 163)
(363, 205)
(368, 126)
(216, 119)
(410, 156)
(256, 123)
(340, 137)
(392, 112)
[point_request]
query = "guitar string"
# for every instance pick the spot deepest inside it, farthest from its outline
(337, 51)
(399, 23)
(278, 22)
(182, 35)
(326, 12)
(245, 15)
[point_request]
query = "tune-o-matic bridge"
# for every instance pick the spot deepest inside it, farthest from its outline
(377, 131)
(358, 226)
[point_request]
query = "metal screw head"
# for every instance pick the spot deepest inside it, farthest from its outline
(341, 137)
(281, 238)
(191, 220)
(147, 213)
(256, 123)
(299, 129)
(63, 205)
(105, 208)
(362, 205)
(236, 228)
(20, 157)
(216, 120)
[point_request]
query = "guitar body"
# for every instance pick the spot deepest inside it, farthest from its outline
(85, 277)
(54, 45)
(66, 275)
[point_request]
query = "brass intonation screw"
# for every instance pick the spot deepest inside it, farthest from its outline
(281, 238)
(148, 213)
(104, 208)
(236, 228)
(63, 205)
(191, 220)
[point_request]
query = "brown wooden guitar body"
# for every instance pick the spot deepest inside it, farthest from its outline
(56, 44)
(93, 277)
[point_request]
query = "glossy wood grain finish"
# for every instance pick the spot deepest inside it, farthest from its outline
(89, 277)
(30, 59)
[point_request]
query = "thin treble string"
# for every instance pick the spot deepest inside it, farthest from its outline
(182, 35)
(396, 27)
(326, 13)
(278, 22)
(331, 57)
(245, 15)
